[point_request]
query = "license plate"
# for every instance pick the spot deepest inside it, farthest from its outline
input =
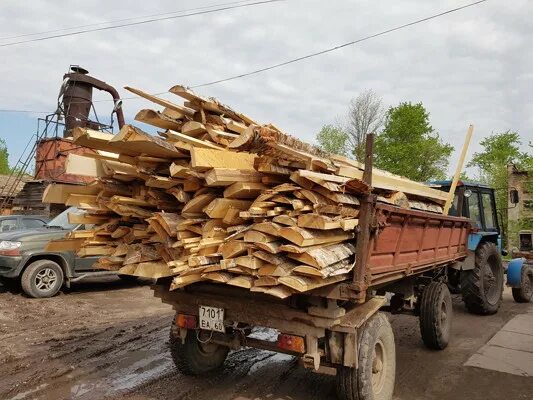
(212, 318)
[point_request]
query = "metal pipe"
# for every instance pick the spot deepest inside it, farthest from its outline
(77, 99)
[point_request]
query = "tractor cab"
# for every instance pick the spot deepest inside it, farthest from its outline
(475, 201)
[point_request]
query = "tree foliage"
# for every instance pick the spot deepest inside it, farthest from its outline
(332, 139)
(365, 115)
(409, 145)
(500, 150)
(4, 158)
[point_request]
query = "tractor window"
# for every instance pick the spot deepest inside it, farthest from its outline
(488, 212)
(453, 208)
(473, 210)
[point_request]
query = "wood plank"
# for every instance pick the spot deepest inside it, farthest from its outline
(161, 102)
(318, 221)
(58, 193)
(321, 257)
(233, 248)
(227, 177)
(244, 190)
(157, 119)
(198, 203)
(57, 245)
(193, 128)
(219, 207)
(306, 237)
(180, 137)
(134, 141)
(203, 159)
(86, 166)
(304, 284)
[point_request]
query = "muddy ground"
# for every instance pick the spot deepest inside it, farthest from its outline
(107, 339)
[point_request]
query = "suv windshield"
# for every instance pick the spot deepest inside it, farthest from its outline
(61, 221)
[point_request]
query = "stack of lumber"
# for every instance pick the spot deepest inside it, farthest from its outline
(218, 197)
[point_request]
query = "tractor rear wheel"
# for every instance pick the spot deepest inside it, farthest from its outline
(482, 287)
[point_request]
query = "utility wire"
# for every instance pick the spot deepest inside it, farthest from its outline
(257, 71)
(318, 53)
(80, 32)
(23, 111)
(123, 20)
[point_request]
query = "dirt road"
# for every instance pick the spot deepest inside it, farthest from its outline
(94, 343)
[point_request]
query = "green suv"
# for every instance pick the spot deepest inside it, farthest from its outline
(42, 273)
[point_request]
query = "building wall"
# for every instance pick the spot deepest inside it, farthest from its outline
(520, 216)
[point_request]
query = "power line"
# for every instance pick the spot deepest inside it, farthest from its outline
(311, 55)
(318, 53)
(139, 22)
(23, 111)
(122, 20)
(325, 51)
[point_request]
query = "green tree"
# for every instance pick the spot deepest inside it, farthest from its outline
(500, 150)
(4, 158)
(409, 145)
(333, 139)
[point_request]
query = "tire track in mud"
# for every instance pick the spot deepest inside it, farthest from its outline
(84, 358)
(247, 373)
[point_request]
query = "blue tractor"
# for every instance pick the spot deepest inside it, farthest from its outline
(480, 277)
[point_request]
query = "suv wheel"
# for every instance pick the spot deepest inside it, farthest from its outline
(42, 278)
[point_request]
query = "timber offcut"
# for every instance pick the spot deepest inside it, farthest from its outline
(218, 197)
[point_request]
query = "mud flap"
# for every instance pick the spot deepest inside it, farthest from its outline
(514, 272)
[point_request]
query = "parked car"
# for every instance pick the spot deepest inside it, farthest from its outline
(10, 223)
(43, 273)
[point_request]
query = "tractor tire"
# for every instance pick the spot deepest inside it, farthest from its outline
(524, 294)
(42, 278)
(193, 357)
(482, 287)
(374, 379)
(436, 316)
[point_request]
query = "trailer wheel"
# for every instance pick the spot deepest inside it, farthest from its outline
(374, 379)
(436, 315)
(482, 287)
(194, 357)
(524, 293)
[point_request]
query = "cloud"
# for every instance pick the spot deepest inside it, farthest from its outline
(473, 66)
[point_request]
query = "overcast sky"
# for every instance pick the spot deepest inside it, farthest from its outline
(473, 66)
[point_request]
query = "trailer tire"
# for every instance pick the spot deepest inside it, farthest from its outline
(436, 316)
(374, 379)
(524, 294)
(482, 287)
(193, 357)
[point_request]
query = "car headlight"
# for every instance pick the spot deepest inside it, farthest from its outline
(8, 245)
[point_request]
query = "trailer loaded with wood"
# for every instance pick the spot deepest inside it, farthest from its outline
(245, 226)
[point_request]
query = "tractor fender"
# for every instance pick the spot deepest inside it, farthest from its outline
(514, 272)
